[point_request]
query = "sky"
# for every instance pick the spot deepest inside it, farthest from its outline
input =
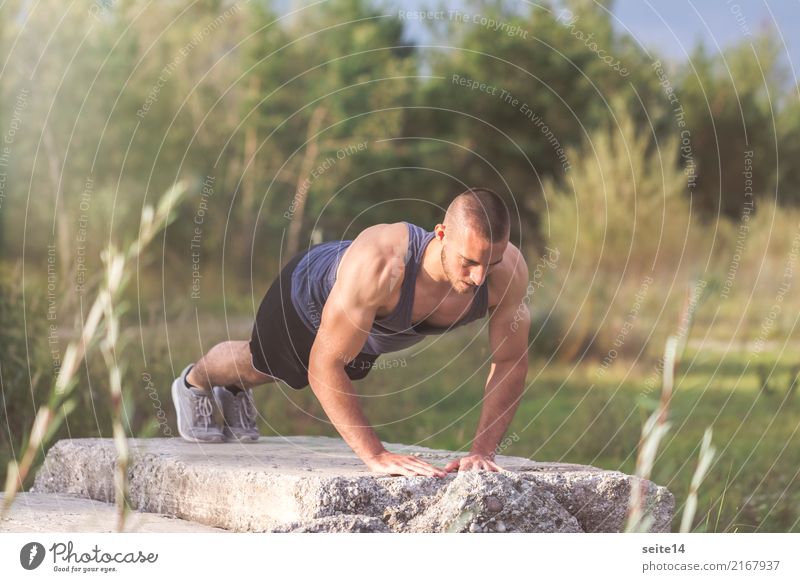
(674, 27)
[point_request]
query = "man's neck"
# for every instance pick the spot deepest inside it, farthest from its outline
(431, 271)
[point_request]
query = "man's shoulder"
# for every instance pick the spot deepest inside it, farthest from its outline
(375, 261)
(384, 234)
(381, 243)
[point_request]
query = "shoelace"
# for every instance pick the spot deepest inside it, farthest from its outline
(204, 409)
(247, 412)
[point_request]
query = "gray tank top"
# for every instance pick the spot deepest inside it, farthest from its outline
(315, 274)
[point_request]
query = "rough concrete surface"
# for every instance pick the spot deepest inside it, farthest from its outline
(316, 484)
(50, 512)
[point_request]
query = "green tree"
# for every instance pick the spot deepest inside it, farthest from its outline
(552, 71)
(788, 152)
(731, 102)
(350, 94)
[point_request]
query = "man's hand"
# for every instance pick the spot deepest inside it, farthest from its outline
(473, 461)
(393, 464)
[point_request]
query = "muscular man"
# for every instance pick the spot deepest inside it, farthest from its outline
(337, 306)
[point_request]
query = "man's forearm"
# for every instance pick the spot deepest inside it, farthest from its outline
(504, 388)
(334, 390)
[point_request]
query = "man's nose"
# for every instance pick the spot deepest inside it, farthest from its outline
(477, 275)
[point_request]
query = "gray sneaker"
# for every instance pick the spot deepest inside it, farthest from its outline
(195, 412)
(239, 414)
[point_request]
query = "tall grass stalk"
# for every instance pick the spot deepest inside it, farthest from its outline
(60, 401)
(656, 426)
(707, 452)
(722, 500)
(115, 265)
(653, 431)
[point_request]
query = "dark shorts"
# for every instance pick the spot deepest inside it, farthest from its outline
(281, 342)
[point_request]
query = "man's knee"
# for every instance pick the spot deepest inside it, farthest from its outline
(249, 373)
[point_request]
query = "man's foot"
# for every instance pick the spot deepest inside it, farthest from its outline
(238, 412)
(195, 412)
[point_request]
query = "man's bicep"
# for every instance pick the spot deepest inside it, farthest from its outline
(508, 333)
(510, 321)
(351, 306)
(344, 326)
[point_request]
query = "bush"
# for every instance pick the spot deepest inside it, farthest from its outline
(622, 227)
(25, 365)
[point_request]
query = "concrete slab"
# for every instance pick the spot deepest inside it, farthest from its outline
(50, 512)
(319, 484)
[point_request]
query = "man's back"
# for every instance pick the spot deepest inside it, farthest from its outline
(397, 250)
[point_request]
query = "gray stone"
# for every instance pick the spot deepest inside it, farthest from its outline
(464, 505)
(267, 486)
(336, 524)
(599, 499)
(49, 512)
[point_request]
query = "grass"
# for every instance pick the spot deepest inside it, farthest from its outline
(100, 326)
(568, 414)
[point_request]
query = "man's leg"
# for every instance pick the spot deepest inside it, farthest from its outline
(227, 364)
(227, 369)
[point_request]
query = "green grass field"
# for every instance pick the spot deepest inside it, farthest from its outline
(568, 415)
(430, 395)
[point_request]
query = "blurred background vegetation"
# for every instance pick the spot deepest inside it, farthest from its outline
(625, 190)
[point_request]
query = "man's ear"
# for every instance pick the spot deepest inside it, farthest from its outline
(439, 231)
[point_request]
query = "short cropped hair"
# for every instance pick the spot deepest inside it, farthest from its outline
(482, 211)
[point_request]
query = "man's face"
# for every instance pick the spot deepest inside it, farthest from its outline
(468, 258)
